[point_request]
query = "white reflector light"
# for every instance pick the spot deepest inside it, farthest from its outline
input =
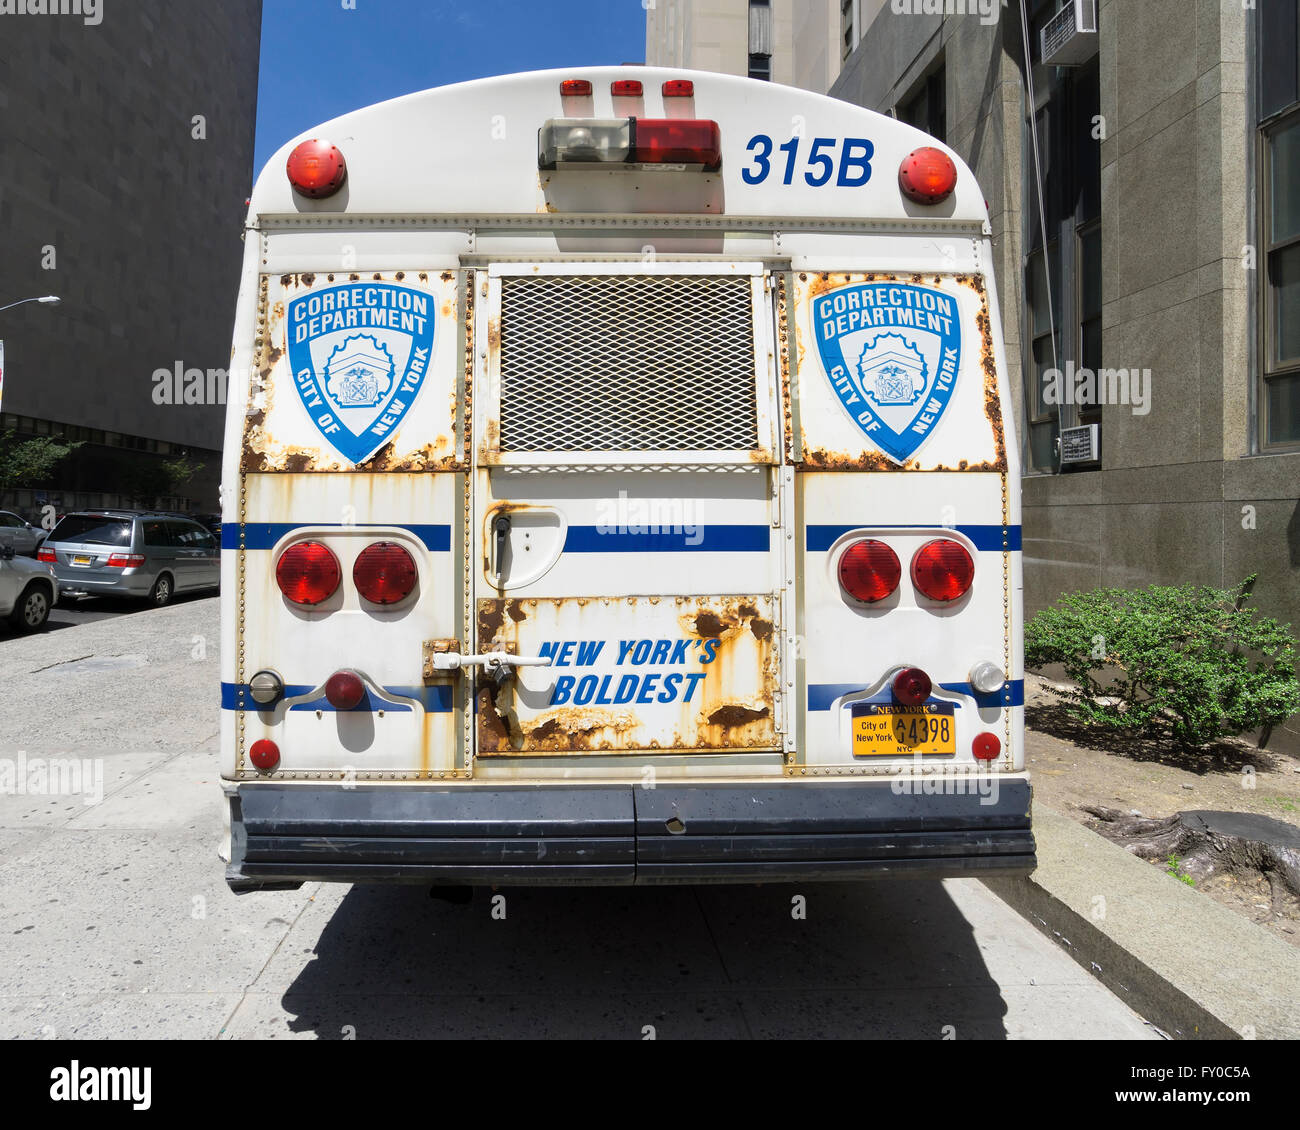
(584, 141)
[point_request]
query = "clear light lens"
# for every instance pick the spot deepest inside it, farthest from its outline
(987, 678)
(266, 687)
(584, 141)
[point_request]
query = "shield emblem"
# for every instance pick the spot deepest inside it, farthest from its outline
(360, 353)
(891, 352)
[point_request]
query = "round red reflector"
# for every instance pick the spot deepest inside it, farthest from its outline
(869, 571)
(317, 169)
(912, 686)
(943, 570)
(986, 747)
(344, 690)
(265, 755)
(384, 573)
(927, 175)
(308, 573)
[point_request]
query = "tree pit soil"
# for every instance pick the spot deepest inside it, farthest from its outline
(1078, 769)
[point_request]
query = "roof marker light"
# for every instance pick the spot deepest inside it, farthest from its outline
(927, 175)
(679, 88)
(626, 88)
(575, 87)
(317, 169)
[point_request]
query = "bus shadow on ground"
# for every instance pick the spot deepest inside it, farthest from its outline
(884, 960)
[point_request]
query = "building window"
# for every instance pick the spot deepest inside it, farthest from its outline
(1277, 64)
(1066, 260)
(850, 26)
(927, 109)
(760, 39)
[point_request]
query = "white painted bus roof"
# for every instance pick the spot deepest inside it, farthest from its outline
(471, 149)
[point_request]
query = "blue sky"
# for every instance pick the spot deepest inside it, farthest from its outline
(320, 60)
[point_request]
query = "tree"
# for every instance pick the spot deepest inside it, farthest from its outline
(30, 463)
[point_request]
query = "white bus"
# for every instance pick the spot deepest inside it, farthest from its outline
(621, 489)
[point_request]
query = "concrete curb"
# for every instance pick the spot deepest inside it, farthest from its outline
(1191, 967)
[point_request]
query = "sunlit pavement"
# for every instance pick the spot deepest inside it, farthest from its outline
(118, 922)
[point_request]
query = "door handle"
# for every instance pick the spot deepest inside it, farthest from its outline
(492, 662)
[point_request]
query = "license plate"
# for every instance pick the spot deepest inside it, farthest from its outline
(82, 560)
(885, 730)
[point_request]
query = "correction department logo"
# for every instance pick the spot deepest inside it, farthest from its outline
(891, 352)
(360, 353)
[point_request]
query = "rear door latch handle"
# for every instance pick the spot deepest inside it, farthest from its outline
(492, 662)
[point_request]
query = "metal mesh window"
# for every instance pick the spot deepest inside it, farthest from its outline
(627, 363)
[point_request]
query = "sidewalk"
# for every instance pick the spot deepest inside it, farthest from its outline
(1192, 967)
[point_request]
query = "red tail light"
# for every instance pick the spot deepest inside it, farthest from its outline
(927, 175)
(870, 571)
(48, 556)
(679, 88)
(317, 169)
(125, 560)
(912, 686)
(265, 755)
(345, 690)
(943, 570)
(626, 88)
(986, 747)
(384, 573)
(677, 141)
(308, 573)
(575, 87)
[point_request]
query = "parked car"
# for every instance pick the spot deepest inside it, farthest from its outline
(28, 589)
(21, 534)
(149, 556)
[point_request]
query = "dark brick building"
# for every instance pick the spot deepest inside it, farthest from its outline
(126, 156)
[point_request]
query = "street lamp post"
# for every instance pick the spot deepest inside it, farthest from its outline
(48, 300)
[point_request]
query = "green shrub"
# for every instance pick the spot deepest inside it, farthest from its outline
(1192, 662)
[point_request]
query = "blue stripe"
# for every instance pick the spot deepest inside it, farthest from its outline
(435, 700)
(265, 535)
(696, 539)
(821, 695)
(993, 538)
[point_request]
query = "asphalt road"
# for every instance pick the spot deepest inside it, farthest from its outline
(117, 920)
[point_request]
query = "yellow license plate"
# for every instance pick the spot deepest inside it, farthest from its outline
(884, 730)
(81, 560)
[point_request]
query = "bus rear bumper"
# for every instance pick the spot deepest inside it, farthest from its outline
(283, 835)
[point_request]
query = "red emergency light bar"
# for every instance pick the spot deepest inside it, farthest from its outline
(587, 142)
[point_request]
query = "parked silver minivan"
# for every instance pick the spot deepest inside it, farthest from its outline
(121, 553)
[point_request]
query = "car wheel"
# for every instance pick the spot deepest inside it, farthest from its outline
(162, 592)
(32, 610)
